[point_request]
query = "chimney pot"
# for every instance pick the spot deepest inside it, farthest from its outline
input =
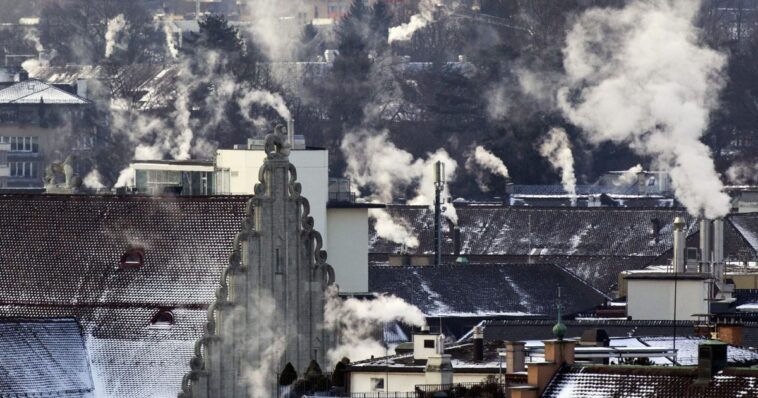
(478, 338)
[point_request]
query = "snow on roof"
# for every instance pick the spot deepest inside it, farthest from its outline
(43, 358)
(35, 92)
(67, 74)
(747, 225)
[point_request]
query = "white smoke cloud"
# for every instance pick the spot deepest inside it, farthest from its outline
(357, 320)
(260, 375)
(743, 173)
(489, 161)
(556, 148)
(113, 36)
(265, 98)
(32, 35)
(32, 66)
(425, 16)
(125, 178)
(94, 180)
(639, 75)
(276, 27)
(393, 230)
(374, 162)
(629, 177)
(170, 41)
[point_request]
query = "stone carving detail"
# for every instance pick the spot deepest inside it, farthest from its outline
(276, 261)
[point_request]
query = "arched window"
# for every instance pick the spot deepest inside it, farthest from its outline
(133, 258)
(162, 318)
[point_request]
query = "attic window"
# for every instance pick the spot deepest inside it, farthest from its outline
(428, 343)
(162, 318)
(133, 258)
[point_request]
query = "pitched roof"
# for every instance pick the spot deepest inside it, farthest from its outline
(34, 92)
(514, 230)
(43, 358)
(747, 225)
(663, 382)
(61, 259)
(484, 289)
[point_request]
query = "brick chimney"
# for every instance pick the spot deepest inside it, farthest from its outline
(515, 357)
(478, 349)
(711, 358)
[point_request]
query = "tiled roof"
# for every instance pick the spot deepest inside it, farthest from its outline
(484, 289)
(557, 190)
(67, 74)
(43, 358)
(667, 382)
(540, 329)
(514, 230)
(66, 250)
(61, 259)
(747, 225)
(34, 92)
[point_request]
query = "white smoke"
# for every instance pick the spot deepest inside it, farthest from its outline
(743, 173)
(425, 16)
(356, 321)
(629, 177)
(489, 161)
(265, 98)
(32, 66)
(125, 178)
(393, 230)
(556, 148)
(275, 26)
(113, 36)
(32, 35)
(259, 375)
(374, 162)
(170, 41)
(94, 180)
(639, 75)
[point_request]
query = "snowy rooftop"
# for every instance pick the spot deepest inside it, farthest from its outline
(36, 92)
(485, 289)
(44, 357)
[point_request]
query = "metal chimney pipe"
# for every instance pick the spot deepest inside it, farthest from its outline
(439, 183)
(678, 261)
(478, 339)
(706, 227)
(291, 132)
(457, 241)
(718, 249)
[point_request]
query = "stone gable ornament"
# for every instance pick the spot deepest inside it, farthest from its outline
(269, 307)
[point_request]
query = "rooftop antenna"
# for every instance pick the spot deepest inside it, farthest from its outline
(559, 330)
(439, 184)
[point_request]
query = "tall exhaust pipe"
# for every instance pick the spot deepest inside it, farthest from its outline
(706, 227)
(439, 184)
(678, 261)
(291, 132)
(718, 249)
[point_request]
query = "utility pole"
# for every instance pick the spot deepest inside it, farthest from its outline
(439, 184)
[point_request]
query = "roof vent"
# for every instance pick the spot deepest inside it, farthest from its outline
(133, 258)
(162, 318)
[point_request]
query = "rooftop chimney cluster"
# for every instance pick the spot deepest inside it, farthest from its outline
(708, 258)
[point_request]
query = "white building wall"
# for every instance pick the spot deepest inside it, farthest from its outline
(4, 169)
(653, 299)
(360, 382)
(312, 173)
(347, 251)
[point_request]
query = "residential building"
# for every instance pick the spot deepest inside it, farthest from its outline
(42, 124)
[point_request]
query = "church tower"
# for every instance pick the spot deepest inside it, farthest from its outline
(269, 308)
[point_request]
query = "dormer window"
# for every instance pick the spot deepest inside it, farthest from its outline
(162, 319)
(133, 258)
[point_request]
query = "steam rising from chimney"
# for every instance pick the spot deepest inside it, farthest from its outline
(170, 42)
(405, 31)
(358, 320)
(265, 98)
(489, 161)
(639, 75)
(115, 26)
(743, 173)
(93, 180)
(393, 230)
(556, 148)
(629, 177)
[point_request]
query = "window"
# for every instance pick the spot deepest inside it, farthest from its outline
(428, 343)
(24, 144)
(23, 169)
(223, 185)
(159, 180)
(377, 384)
(133, 258)
(162, 318)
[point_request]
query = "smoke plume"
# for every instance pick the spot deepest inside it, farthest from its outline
(393, 230)
(489, 161)
(639, 75)
(94, 180)
(275, 26)
(743, 173)
(556, 148)
(264, 98)
(170, 42)
(425, 16)
(356, 321)
(112, 35)
(629, 177)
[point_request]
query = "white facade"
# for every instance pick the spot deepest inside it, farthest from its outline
(312, 173)
(4, 169)
(404, 381)
(651, 297)
(347, 229)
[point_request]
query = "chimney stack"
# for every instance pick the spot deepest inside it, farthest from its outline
(457, 241)
(678, 260)
(706, 227)
(711, 359)
(515, 357)
(718, 249)
(478, 339)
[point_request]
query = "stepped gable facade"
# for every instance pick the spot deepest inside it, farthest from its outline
(269, 307)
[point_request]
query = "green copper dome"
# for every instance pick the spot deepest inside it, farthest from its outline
(559, 330)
